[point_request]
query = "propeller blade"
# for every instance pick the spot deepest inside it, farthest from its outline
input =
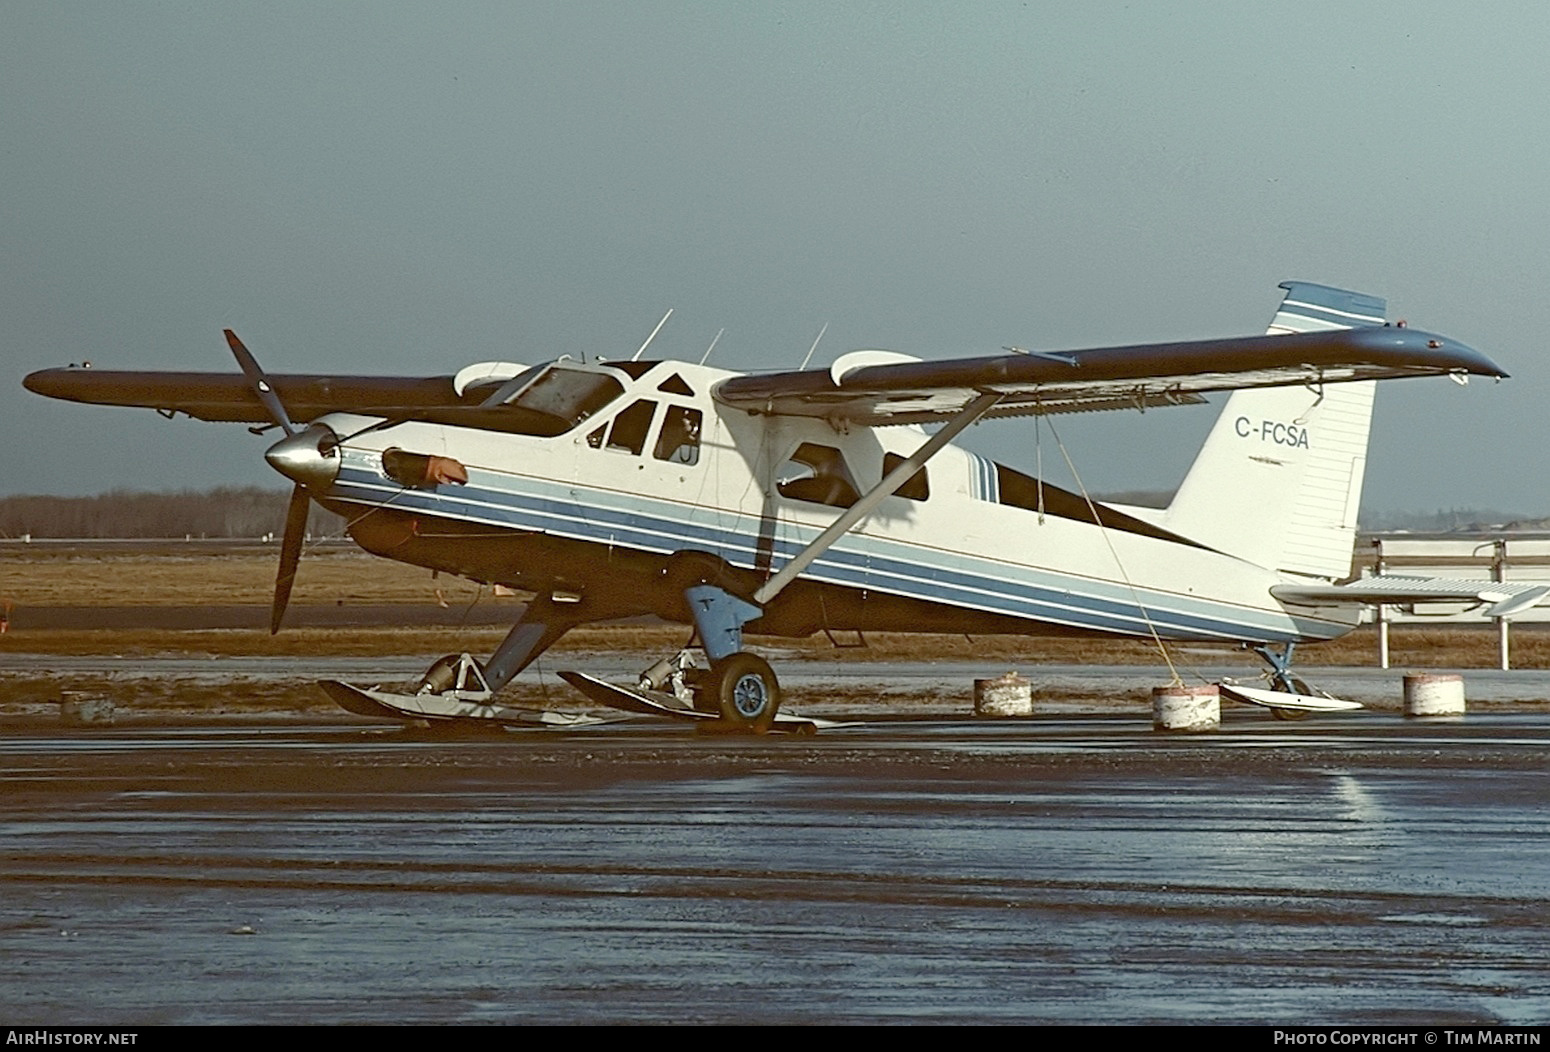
(290, 554)
(260, 382)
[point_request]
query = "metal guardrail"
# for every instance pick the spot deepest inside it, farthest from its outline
(1512, 556)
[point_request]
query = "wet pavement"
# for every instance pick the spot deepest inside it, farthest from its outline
(822, 680)
(1347, 869)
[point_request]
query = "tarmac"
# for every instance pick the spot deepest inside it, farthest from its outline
(1073, 867)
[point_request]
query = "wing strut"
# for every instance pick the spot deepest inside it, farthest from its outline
(875, 496)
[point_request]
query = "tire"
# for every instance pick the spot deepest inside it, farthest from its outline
(1296, 685)
(746, 692)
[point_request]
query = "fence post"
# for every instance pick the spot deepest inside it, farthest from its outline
(1503, 631)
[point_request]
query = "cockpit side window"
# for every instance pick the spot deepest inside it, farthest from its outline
(631, 427)
(679, 439)
(819, 475)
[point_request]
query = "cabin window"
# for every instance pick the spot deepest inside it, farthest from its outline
(631, 426)
(819, 475)
(915, 487)
(679, 439)
(1023, 491)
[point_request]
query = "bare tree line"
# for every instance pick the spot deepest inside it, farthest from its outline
(219, 513)
(251, 512)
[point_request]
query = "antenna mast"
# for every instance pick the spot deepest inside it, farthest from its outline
(814, 347)
(669, 314)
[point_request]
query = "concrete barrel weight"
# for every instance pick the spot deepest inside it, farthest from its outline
(1008, 695)
(1186, 709)
(1434, 694)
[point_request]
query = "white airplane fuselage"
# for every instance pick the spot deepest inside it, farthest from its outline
(587, 511)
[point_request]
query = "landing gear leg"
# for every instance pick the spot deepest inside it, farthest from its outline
(537, 629)
(740, 686)
(458, 688)
(540, 627)
(1283, 679)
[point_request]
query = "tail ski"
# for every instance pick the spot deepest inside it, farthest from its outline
(1279, 479)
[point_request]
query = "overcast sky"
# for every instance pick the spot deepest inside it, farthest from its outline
(410, 187)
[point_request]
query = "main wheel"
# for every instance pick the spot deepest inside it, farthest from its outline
(1292, 685)
(746, 691)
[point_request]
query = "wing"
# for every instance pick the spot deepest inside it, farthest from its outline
(1505, 600)
(855, 391)
(230, 396)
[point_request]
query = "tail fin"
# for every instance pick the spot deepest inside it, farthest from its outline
(1279, 479)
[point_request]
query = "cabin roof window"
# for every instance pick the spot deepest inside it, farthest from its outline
(819, 475)
(675, 384)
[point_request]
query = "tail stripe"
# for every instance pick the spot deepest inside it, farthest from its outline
(1297, 316)
(984, 484)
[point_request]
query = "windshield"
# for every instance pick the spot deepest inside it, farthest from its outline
(545, 400)
(569, 395)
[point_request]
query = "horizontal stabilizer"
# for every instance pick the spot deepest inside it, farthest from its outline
(1504, 599)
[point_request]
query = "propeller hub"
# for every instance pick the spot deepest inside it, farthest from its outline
(310, 458)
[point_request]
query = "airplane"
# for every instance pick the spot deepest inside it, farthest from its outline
(785, 503)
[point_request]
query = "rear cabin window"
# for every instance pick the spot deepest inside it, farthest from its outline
(915, 487)
(1024, 491)
(819, 475)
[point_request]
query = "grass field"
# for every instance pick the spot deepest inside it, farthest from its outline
(173, 575)
(179, 575)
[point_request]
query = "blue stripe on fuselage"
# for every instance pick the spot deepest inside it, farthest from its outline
(860, 561)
